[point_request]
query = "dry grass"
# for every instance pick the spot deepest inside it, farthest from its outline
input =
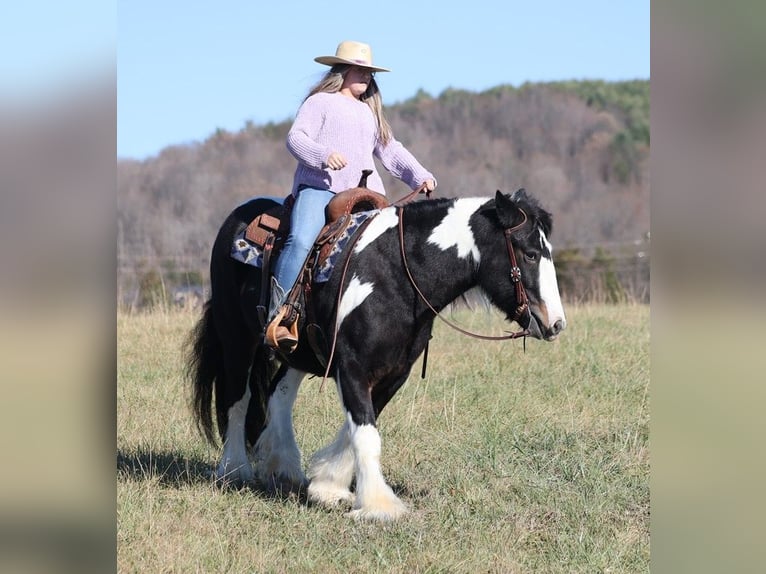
(511, 461)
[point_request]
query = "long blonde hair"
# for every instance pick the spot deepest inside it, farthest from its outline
(332, 83)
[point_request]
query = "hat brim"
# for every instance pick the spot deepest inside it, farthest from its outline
(332, 60)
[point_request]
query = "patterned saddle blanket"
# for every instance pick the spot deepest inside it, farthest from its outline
(245, 251)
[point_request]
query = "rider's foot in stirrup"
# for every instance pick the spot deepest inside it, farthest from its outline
(286, 342)
(280, 336)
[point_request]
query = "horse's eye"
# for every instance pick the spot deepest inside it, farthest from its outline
(531, 256)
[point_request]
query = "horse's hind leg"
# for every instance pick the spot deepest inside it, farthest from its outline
(277, 456)
(236, 324)
(232, 403)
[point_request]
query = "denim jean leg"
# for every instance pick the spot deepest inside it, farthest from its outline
(306, 222)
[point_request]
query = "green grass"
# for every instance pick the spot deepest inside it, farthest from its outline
(510, 461)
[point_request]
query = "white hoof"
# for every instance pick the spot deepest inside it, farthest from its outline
(383, 511)
(281, 473)
(283, 483)
(329, 494)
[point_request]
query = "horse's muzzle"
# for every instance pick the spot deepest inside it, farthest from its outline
(548, 334)
(555, 329)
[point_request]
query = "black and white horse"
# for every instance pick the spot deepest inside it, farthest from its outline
(381, 326)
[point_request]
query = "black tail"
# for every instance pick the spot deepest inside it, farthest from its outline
(224, 352)
(203, 367)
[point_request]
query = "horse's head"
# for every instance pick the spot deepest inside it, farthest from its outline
(527, 227)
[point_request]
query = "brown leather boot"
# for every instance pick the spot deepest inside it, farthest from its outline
(281, 336)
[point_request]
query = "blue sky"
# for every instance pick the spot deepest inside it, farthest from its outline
(46, 45)
(185, 68)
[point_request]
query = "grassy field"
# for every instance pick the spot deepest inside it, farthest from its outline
(510, 461)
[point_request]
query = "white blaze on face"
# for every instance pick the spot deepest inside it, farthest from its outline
(549, 287)
(454, 230)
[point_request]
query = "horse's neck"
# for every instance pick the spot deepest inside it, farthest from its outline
(441, 264)
(444, 279)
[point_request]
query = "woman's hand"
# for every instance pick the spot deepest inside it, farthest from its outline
(430, 185)
(336, 161)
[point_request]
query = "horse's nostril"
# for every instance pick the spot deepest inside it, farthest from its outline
(558, 326)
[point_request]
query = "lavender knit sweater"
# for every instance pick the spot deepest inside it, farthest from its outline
(333, 122)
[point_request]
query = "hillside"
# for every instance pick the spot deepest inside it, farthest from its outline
(581, 147)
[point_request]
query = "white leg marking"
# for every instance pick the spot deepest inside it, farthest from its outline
(331, 471)
(454, 230)
(386, 219)
(355, 294)
(549, 287)
(235, 465)
(276, 453)
(374, 498)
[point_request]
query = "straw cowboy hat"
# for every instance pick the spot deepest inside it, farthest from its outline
(353, 53)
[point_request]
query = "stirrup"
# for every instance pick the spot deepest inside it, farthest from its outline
(281, 337)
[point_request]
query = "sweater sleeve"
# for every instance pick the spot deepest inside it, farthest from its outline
(301, 139)
(402, 164)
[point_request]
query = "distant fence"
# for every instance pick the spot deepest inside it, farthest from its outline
(607, 273)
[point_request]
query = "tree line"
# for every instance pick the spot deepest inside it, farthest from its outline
(581, 147)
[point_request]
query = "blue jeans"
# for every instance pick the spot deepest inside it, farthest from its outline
(306, 222)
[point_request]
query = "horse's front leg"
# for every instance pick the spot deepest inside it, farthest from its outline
(374, 498)
(332, 470)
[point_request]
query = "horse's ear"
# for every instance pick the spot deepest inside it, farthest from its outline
(501, 200)
(508, 212)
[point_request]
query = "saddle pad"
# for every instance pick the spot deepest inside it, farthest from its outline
(323, 272)
(246, 252)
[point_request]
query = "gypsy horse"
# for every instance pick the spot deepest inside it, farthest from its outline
(376, 316)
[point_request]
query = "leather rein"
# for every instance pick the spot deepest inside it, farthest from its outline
(521, 295)
(406, 199)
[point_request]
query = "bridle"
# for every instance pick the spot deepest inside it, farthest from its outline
(522, 302)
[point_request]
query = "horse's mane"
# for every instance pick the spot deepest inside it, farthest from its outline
(534, 210)
(524, 200)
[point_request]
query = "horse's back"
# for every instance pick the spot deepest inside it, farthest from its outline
(236, 286)
(240, 218)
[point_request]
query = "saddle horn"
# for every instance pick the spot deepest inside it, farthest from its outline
(363, 180)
